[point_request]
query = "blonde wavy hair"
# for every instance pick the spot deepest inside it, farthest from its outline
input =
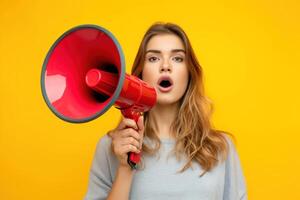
(194, 134)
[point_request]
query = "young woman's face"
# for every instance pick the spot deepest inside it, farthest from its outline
(165, 67)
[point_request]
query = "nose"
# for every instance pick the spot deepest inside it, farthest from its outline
(165, 67)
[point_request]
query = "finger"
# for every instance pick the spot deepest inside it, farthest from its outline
(110, 133)
(129, 132)
(126, 122)
(132, 141)
(130, 148)
(140, 124)
(141, 129)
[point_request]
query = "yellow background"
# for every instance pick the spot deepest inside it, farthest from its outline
(250, 54)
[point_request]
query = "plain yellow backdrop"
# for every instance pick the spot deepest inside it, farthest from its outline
(250, 54)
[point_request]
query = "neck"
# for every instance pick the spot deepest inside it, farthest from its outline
(163, 117)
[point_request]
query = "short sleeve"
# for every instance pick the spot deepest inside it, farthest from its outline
(235, 187)
(100, 177)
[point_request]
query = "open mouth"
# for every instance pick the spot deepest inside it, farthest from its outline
(165, 83)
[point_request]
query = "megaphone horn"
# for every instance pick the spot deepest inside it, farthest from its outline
(83, 75)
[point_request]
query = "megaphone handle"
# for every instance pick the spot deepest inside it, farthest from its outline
(133, 158)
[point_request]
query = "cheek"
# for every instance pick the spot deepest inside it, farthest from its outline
(183, 78)
(182, 83)
(148, 75)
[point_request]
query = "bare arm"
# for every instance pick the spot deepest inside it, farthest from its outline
(125, 140)
(122, 184)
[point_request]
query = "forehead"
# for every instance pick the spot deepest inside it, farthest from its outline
(165, 42)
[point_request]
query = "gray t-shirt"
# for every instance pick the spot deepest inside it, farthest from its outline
(160, 180)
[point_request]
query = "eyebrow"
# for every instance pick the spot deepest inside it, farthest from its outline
(158, 51)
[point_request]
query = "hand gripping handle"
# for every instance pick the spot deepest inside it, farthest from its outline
(133, 158)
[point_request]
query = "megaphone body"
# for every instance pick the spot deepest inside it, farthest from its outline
(83, 75)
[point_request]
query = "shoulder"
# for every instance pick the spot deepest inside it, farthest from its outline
(104, 141)
(103, 145)
(235, 186)
(232, 158)
(104, 157)
(230, 141)
(231, 150)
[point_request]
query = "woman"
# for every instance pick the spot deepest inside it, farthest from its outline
(183, 156)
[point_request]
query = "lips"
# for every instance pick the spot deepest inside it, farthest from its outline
(165, 84)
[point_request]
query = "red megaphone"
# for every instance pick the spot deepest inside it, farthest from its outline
(83, 75)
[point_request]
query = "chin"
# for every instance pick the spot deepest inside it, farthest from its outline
(163, 100)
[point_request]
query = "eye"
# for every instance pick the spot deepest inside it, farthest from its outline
(153, 59)
(177, 59)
